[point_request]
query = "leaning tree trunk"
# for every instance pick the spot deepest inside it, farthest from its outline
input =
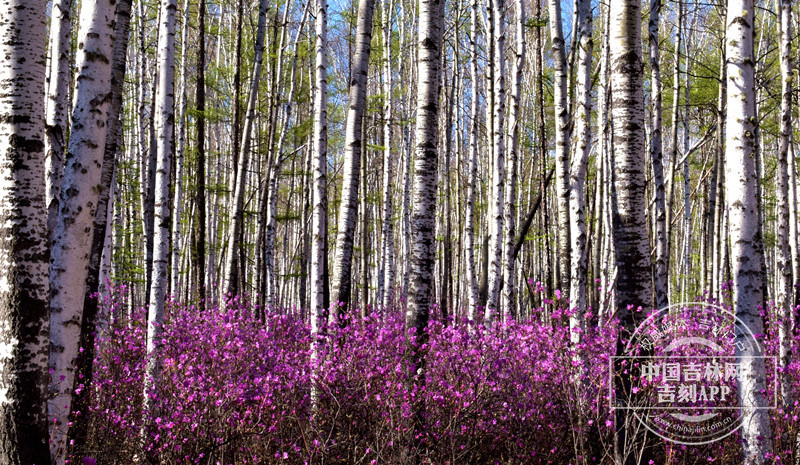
(23, 236)
(499, 161)
(80, 423)
(741, 199)
(82, 170)
(237, 214)
(784, 296)
(423, 216)
(560, 93)
(630, 224)
(348, 209)
(164, 123)
(56, 106)
(583, 146)
(269, 234)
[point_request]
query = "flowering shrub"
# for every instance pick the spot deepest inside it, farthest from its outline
(236, 390)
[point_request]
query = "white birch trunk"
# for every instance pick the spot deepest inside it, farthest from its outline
(319, 162)
(164, 123)
(509, 268)
(560, 94)
(348, 209)
(23, 235)
(423, 216)
(784, 294)
(630, 225)
(657, 156)
(604, 137)
(741, 199)
(57, 106)
(71, 243)
(386, 276)
(498, 163)
(580, 160)
(472, 273)
(633, 279)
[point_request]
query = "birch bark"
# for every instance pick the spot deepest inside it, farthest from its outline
(348, 209)
(319, 162)
(783, 297)
(661, 275)
(164, 124)
(498, 162)
(560, 94)
(78, 203)
(387, 272)
(472, 272)
(580, 160)
(423, 216)
(634, 273)
(509, 270)
(741, 200)
(23, 235)
(57, 106)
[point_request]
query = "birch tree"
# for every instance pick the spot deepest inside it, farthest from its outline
(509, 268)
(498, 161)
(348, 209)
(387, 270)
(630, 225)
(472, 273)
(78, 434)
(23, 238)
(580, 160)
(71, 245)
(164, 121)
(423, 216)
(57, 105)
(783, 298)
(741, 200)
(560, 93)
(661, 274)
(319, 161)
